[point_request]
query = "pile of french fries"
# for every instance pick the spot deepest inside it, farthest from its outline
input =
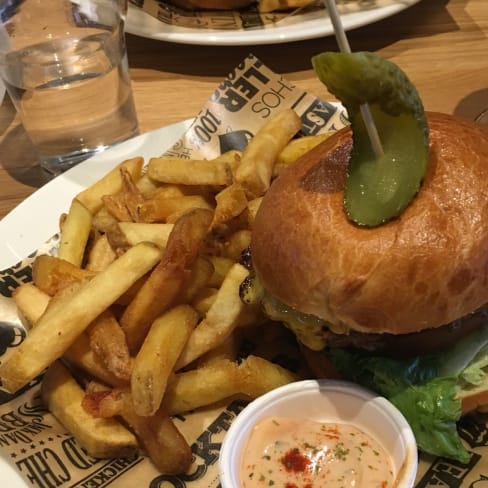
(137, 318)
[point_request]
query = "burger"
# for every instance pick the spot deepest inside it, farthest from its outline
(399, 307)
(212, 4)
(262, 6)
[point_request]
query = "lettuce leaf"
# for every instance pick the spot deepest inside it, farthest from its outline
(428, 403)
(463, 355)
(475, 372)
(424, 388)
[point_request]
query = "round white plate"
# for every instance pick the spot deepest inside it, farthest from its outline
(295, 28)
(36, 219)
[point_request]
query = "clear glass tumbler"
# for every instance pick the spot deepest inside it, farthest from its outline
(482, 118)
(64, 65)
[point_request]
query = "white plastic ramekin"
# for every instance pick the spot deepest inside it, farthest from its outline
(325, 401)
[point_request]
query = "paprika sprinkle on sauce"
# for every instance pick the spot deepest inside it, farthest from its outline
(300, 453)
(293, 460)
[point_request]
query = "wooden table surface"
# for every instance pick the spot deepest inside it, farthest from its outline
(442, 45)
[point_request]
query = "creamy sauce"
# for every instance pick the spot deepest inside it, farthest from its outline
(297, 453)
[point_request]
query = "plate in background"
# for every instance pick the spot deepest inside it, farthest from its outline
(295, 28)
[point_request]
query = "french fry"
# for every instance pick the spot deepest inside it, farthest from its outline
(252, 210)
(104, 401)
(116, 207)
(129, 295)
(55, 332)
(204, 299)
(168, 191)
(164, 284)
(155, 361)
(147, 186)
(260, 376)
(189, 172)
(236, 243)
(228, 350)
(200, 275)
(51, 274)
(231, 202)
(75, 230)
(31, 302)
(57, 301)
(123, 204)
(81, 356)
(167, 448)
(103, 220)
(221, 266)
(116, 239)
(222, 379)
(159, 209)
(111, 183)
(231, 157)
(100, 255)
(102, 438)
(295, 149)
(108, 342)
(220, 320)
(140, 232)
(202, 386)
(165, 445)
(255, 171)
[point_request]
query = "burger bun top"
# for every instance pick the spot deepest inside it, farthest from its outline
(424, 269)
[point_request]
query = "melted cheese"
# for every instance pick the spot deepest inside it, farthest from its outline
(309, 330)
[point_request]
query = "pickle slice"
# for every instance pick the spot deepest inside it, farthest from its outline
(378, 189)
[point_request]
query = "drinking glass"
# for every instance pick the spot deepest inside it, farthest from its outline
(482, 118)
(64, 65)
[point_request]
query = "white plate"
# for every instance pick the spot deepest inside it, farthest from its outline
(295, 28)
(35, 220)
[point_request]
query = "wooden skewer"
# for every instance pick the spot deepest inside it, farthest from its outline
(343, 43)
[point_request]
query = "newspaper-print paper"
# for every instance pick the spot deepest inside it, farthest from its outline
(248, 18)
(47, 456)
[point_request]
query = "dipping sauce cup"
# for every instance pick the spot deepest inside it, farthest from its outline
(64, 65)
(340, 408)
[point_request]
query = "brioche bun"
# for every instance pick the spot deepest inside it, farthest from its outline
(424, 269)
